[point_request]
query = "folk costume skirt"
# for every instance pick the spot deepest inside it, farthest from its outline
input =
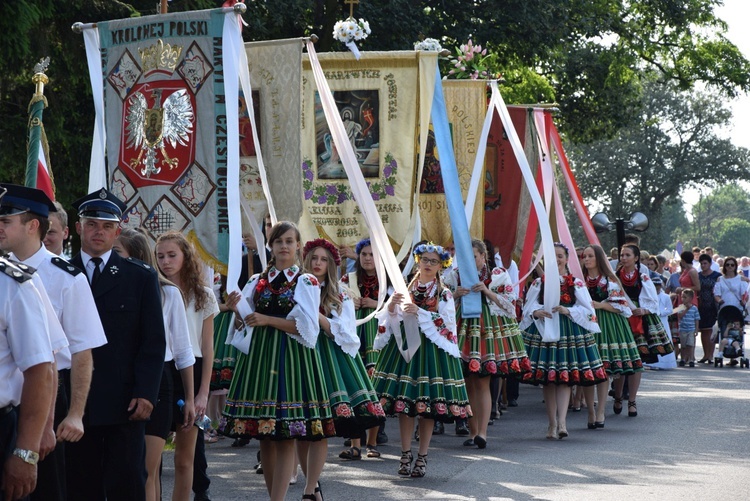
(278, 391)
(616, 344)
(653, 340)
(354, 404)
(367, 333)
(491, 345)
(573, 360)
(225, 355)
(431, 385)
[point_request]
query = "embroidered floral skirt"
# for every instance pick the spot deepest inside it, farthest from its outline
(354, 404)
(225, 355)
(616, 344)
(367, 333)
(430, 385)
(654, 341)
(573, 360)
(278, 391)
(491, 345)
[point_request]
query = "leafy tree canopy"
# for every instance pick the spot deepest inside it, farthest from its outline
(588, 55)
(676, 144)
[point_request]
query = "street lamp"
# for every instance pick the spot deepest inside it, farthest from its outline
(637, 222)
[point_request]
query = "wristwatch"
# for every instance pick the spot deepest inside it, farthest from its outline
(28, 456)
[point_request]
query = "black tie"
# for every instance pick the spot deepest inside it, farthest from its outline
(97, 261)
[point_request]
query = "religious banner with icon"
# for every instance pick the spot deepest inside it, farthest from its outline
(378, 98)
(166, 124)
(466, 104)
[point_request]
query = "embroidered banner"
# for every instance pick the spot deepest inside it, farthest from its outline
(507, 204)
(466, 104)
(275, 68)
(166, 124)
(378, 100)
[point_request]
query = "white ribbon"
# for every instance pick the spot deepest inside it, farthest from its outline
(378, 237)
(97, 170)
(353, 47)
(552, 276)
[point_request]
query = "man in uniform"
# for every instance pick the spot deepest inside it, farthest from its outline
(109, 461)
(57, 234)
(26, 376)
(24, 214)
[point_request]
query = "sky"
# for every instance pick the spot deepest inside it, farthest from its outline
(735, 13)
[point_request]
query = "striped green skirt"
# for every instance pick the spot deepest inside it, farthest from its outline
(225, 355)
(278, 391)
(654, 340)
(354, 404)
(616, 344)
(367, 333)
(573, 360)
(491, 345)
(430, 385)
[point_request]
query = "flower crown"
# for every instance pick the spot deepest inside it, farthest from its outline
(562, 245)
(445, 257)
(322, 242)
(365, 242)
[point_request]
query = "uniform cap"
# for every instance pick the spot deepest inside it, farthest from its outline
(21, 199)
(102, 205)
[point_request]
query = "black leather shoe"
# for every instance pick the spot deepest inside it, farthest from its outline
(462, 429)
(382, 438)
(203, 496)
(512, 403)
(438, 429)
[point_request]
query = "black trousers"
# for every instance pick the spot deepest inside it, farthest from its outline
(8, 435)
(109, 462)
(201, 482)
(50, 485)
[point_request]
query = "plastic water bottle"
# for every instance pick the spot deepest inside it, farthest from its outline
(203, 423)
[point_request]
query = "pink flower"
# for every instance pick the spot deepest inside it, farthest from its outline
(491, 367)
(343, 410)
(400, 406)
(440, 408)
(455, 410)
(421, 407)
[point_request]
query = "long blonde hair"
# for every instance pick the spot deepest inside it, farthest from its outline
(330, 298)
(191, 276)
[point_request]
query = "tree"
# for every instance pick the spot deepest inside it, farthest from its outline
(733, 238)
(715, 214)
(588, 55)
(676, 144)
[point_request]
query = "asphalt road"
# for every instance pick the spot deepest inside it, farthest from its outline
(689, 441)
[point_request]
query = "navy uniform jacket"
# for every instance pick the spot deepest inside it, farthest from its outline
(130, 364)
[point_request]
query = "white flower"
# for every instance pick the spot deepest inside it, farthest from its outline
(349, 30)
(428, 44)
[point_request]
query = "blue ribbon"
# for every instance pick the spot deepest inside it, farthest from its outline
(471, 305)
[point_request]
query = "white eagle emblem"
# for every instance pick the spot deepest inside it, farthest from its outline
(148, 129)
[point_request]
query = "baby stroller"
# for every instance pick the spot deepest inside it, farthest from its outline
(728, 315)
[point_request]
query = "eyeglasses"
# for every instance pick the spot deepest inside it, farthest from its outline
(430, 261)
(733, 265)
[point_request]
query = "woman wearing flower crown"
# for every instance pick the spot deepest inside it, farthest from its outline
(354, 404)
(278, 392)
(574, 358)
(430, 384)
(616, 344)
(650, 336)
(364, 287)
(491, 345)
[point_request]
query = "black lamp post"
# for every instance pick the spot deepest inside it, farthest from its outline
(637, 222)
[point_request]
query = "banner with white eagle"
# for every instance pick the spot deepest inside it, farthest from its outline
(168, 131)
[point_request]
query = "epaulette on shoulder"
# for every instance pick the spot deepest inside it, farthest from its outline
(66, 266)
(139, 263)
(17, 271)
